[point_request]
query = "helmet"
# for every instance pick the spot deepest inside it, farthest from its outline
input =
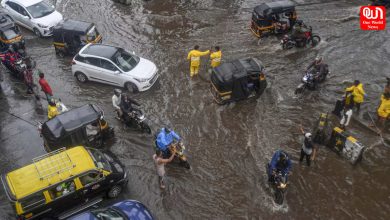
(117, 92)
(167, 130)
(308, 135)
(283, 156)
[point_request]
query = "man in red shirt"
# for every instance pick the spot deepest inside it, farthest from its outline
(45, 87)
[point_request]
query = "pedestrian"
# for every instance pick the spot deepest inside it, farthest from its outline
(308, 148)
(194, 58)
(216, 57)
(160, 162)
(384, 109)
(346, 117)
(45, 87)
(52, 109)
(358, 93)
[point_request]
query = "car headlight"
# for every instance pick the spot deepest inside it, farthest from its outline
(42, 26)
(141, 80)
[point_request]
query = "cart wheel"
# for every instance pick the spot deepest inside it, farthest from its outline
(114, 192)
(60, 53)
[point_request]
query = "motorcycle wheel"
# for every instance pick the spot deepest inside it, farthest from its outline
(299, 89)
(315, 40)
(145, 128)
(288, 45)
(185, 164)
(279, 196)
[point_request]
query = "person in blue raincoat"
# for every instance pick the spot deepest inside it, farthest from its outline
(280, 163)
(164, 139)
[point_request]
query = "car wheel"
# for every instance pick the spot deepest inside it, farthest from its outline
(131, 87)
(114, 192)
(81, 77)
(37, 32)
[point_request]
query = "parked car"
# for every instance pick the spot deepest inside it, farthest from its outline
(36, 15)
(125, 210)
(114, 66)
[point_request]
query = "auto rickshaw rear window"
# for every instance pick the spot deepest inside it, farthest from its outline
(33, 201)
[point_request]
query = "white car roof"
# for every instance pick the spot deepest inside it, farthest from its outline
(27, 3)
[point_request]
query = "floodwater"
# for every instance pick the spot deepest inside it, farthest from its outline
(228, 146)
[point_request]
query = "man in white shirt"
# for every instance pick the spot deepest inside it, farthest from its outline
(346, 117)
(116, 101)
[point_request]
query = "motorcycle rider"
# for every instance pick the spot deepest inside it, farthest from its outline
(319, 67)
(127, 107)
(165, 139)
(116, 102)
(11, 56)
(299, 29)
(280, 162)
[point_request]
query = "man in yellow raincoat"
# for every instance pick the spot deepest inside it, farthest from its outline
(215, 57)
(194, 57)
(358, 93)
(384, 108)
(52, 109)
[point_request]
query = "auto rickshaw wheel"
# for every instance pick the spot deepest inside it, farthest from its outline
(131, 87)
(60, 53)
(81, 77)
(37, 32)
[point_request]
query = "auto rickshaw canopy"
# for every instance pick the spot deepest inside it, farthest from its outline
(265, 10)
(71, 28)
(228, 77)
(66, 123)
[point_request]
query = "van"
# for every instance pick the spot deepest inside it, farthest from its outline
(63, 182)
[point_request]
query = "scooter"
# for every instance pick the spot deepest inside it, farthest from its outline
(279, 186)
(138, 119)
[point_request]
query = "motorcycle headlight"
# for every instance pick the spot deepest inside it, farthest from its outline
(42, 26)
(141, 80)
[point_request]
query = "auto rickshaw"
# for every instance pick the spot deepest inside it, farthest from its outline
(238, 80)
(273, 18)
(80, 126)
(9, 34)
(71, 35)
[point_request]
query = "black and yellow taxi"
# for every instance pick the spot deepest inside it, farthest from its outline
(71, 35)
(63, 182)
(10, 34)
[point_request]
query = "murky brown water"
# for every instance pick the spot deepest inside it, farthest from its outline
(228, 146)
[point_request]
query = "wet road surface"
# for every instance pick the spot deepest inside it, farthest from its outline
(228, 146)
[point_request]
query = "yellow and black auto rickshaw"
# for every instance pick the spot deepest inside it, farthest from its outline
(238, 80)
(9, 34)
(84, 125)
(273, 18)
(70, 36)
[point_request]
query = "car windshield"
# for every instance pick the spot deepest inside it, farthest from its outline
(99, 159)
(40, 9)
(10, 34)
(124, 60)
(107, 214)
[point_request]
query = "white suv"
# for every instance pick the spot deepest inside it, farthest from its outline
(35, 15)
(114, 66)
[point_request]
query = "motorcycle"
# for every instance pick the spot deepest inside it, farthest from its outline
(279, 186)
(288, 42)
(138, 119)
(310, 81)
(180, 156)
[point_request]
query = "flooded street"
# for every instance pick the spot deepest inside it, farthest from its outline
(228, 146)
